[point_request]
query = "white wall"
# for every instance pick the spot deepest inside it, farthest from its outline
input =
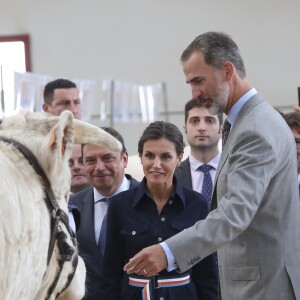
(141, 42)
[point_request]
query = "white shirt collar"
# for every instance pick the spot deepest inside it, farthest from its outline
(195, 163)
(123, 187)
(235, 109)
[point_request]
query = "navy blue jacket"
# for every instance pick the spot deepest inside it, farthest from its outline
(87, 245)
(133, 223)
(76, 214)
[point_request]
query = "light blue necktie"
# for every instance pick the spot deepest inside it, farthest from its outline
(207, 182)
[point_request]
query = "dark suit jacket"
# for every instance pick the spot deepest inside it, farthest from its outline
(76, 214)
(183, 174)
(88, 249)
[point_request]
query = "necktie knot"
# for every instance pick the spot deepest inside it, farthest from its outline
(105, 200)
(205, 168)
(225, 132)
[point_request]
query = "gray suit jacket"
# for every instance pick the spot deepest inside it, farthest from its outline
(256, 225)
(87, 245)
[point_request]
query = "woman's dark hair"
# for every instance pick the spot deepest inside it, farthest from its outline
(160, 129)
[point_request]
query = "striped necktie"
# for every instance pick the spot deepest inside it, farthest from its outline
(225, 132)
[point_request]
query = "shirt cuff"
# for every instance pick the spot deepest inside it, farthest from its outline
(170, 257)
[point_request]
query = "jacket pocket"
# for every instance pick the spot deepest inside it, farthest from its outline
(134, 230)
(136, 237)
(244, 273)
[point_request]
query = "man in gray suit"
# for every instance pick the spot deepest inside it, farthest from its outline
(203, 132)
(105, 170)
(255, 224)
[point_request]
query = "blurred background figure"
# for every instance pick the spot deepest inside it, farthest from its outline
(78, 177)
(293, 121)
(60, 95)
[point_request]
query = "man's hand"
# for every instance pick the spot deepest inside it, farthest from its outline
(147, 262)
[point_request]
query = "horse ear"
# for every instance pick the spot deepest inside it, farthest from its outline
(62, 133)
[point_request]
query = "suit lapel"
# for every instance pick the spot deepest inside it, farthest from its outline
(88, 227)
(184, 173)
(249, 105)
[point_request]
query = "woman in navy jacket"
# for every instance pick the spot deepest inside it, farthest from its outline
(151, 213)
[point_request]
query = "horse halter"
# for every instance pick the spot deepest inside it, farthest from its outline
(57, 215)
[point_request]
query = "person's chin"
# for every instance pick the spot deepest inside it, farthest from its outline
(79, 180)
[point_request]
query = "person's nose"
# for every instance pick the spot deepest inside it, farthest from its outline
(78, 165)
(74, 109)
(202, 125)
(99, 165)
(196, 92)
(157, 163)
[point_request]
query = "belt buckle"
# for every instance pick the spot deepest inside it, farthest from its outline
(155, 281)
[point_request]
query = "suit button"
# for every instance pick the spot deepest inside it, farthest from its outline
(163, 219)
(133, 232)
(170, 202)
(159, 239)
(161, 298)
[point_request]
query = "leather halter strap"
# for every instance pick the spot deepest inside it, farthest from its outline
(56, 213)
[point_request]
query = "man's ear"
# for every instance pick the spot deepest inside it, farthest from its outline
(180, 158)
(45, 107)
(228, 69)
(125, 158)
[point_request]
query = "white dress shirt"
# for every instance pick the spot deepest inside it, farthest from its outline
(197, 175)
(100, 208)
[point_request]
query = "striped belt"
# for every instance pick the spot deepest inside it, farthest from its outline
(157, 282)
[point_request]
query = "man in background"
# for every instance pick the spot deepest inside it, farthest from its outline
(203, 132)
(59, 95)
(293, 121)
(78, 178)
(105, 170)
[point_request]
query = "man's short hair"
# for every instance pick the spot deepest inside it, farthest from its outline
(56, 84)
(116, 135)
(293, 120)
(217, 48)
(196, 103)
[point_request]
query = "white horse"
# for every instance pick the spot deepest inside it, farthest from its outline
(38, 252)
